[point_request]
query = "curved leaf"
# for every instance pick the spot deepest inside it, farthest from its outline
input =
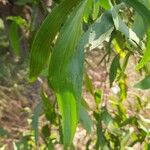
(141, 9)
(113, 69)
(146, 57)
(88, 10)
(66, 72)
(144, 84)
(96, 10)
(106, 4)
(122, 27)
(98, 32)
(35, 120)
(41, 47)
(14, 38)
(84, 118)
(138, 26)
(145, 14)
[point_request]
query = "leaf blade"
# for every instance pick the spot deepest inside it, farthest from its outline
(35, 121)
(143, 84)
(45, 36)
(113, 69)
(84, 118)
(66, 72)
(97, 32)
(14, 38)
(145, 14)
(122, 27)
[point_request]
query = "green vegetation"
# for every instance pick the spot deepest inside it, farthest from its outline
(58, 56)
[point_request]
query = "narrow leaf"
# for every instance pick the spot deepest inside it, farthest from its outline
(118, 47)
(35, 121)
(88, 84)
(88, 10)
(144, 84)
(96, 10)
(19, 21)
(145, 3)
(1, 24)
(41, 47)
(4, 132)
(106, 4)
(138, 26)
(66, 72)
(67, 105)
(14, 38)
(98, 96)
(146, 57)
(106, 117)
(140, 8)
(113, 69)
(101, 142)
(50, 146)
(130, 120)
(122, 27)
(145, 14)
(98, 32)
(48, 108)
(126, 137)
(84, 118)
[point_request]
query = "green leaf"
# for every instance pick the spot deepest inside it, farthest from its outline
(125, 62)
(96, 10)
(35, 121)
(18, 20)
(122, 27)
(106, 117)
(97, 32)
(1, 24)
(41, 46)
(146, 57)
(24, 143)
(118, 46)
(4, 132)
(146, 3)
(145, 14)
(147, 146)
(48, 108)
(88, 10)
(66, 72)
(131, 120)
(98, 95)
(50, 146)
(126, 137)
(46, 131)
(14, 38)
(113, 69)
(84, 118)
(138, 26)
(141, 9)
(101, 142)
(84, 104)
(88, 84)
(144, 84)
(67, 105)
(145, 122)
(106, 4)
